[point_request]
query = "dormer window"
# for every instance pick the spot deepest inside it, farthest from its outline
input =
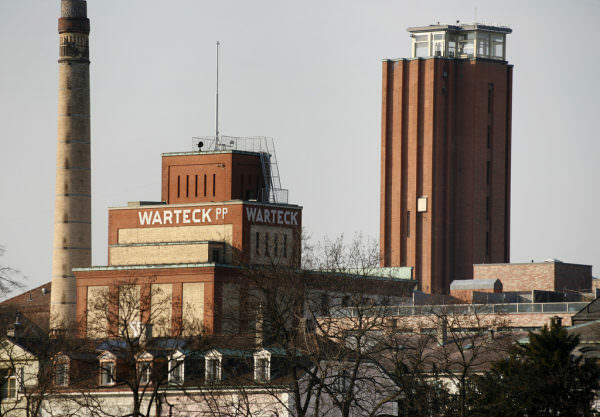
(177, 368)
(262, 365)
(213, 370)
(107, 373)
(108, 366)
(144, 368)
(261, 370)
(61, 372)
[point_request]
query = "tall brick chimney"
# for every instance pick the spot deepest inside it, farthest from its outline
(72, 213)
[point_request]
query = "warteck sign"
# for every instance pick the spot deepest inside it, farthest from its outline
(182, 216)
(210, 215)
(265, 215)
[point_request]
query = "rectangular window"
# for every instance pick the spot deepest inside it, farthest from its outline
(275, 244)
(178, 186)
(9, 389)
(176, 375)
(212, 370)
(196, 186)
(497, 43)
(61, 374)
(216, 254)
(187, 185)
(257, 243)
(421, 46)
(285, 245)
(267, 245)
(145, 369)
(408, 224)
(107, 373)
(262, 369)
(483, 44)
(204, 185)
(214, 184)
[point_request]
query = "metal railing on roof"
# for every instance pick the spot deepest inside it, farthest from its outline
(422, 310)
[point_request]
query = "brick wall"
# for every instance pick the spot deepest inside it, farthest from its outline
(546, 276)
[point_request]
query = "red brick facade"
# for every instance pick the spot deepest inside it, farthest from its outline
(546, 276)
(446, 127)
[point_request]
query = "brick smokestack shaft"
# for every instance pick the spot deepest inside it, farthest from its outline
(72, 213)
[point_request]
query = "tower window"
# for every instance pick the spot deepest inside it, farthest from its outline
(187, 185)
(196, 186)
(214, 184)
(204, 185)
(178, 186)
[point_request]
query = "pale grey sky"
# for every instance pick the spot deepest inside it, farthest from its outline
(308, 74)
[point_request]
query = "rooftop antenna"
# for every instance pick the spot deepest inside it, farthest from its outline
(217, 110)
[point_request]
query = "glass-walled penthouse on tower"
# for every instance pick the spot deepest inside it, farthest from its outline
(459, 41)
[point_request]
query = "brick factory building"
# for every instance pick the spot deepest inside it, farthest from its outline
(446, 146)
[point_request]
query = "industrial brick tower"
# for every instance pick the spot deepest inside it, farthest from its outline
(72, 213)
(445, 174)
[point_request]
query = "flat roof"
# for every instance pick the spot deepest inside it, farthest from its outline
(149, 204)
(459, 28)
(226, 151)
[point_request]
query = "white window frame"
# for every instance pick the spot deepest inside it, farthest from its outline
(177, 364)
(414, 44)
(213, 356)
(65, 364)
(104, 370)
(262, 374)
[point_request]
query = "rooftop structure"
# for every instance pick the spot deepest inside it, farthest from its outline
(459, 41)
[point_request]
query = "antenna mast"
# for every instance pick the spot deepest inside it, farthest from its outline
(217, 110)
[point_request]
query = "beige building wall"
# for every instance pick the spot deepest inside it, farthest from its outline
(130, 307)
(193, 307)
(161, 309)
(97, 320)
(216, 233)
(271, 245)
(200, 252)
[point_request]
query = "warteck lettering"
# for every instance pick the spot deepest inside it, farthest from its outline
(264, 215)
(183, 216)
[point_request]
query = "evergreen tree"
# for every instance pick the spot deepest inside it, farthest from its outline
(543, 377)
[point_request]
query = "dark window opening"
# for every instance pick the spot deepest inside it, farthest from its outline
(178, 186)
(285, 246)
(196, 186)
(257, 243)
(216, 254)
(275, 244)
(267, 244)
(187, 185)
(204, 185)
(214, 184)
(490, 98)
